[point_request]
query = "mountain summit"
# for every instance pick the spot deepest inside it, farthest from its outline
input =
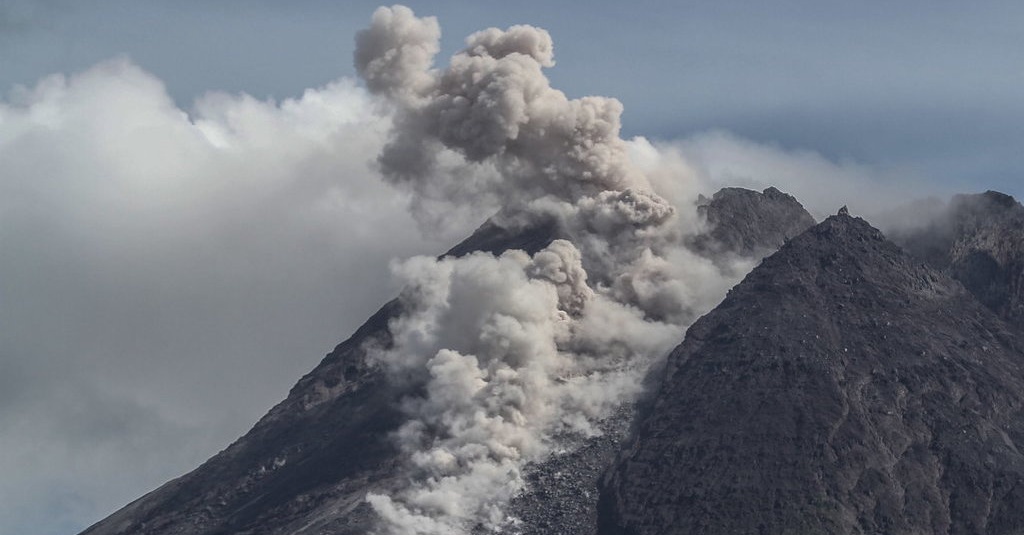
(842, 387)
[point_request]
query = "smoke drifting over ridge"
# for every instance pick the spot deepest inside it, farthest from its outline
(493, 107)
(511, 354)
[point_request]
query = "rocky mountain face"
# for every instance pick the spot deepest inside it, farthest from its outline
(842, 387)
(979, 241)
(747, 223)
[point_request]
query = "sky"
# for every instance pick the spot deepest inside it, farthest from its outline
(190, 217)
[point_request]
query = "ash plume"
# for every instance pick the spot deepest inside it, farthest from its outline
(494, 109)
(509, 354)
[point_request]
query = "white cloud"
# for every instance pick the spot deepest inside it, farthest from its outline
(166, 276)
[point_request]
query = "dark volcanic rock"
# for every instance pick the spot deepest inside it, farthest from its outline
(306, 466)
(747, 223)
(979, 241)
(842, 387)
(561, 494)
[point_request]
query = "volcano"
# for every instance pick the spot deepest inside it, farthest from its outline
(308, 465)
(842, 387)
(846, 385)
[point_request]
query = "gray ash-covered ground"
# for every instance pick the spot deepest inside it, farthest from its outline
(561, 497)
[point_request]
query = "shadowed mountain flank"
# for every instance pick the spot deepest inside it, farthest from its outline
(842, 387)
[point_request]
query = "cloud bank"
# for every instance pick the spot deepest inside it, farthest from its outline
(165, 276)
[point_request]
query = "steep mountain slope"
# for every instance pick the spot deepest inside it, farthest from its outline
(307, 465)
(979, 241)
(842, 387)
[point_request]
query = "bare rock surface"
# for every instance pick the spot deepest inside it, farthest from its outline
(843, 387)
(561, 496)
(749, 223)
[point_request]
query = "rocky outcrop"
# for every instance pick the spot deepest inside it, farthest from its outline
(842, 387)
(747, 223)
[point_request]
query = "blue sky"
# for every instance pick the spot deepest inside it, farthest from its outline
(158, 297)
(932, 87)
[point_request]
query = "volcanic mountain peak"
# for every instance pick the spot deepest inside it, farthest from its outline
(988, 206)
(842, 387)
(833, 258)
(750, 223)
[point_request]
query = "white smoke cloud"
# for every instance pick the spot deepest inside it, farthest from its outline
(160, 263)
(394, 55)
(165, 275)
(493, 107)
(505, 352)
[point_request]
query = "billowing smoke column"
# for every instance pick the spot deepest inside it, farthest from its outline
(510, 354)
(489, 126)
